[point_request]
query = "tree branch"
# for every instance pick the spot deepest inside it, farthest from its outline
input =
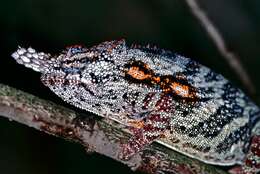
(99, 135)
(219, 42)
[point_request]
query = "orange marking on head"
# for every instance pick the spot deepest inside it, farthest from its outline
(179, 89)
(136, 73)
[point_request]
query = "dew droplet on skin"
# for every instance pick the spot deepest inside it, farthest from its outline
(35, 56)
(35, 61)
(35, 68)
(15, 55)
(25, 59)
(28, 55)
(28, 65)
(41, 57)
(21, 51)
(31, 50)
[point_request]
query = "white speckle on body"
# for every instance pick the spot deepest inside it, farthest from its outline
(25, 59)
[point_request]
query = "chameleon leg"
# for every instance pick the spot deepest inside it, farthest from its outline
(153, 128)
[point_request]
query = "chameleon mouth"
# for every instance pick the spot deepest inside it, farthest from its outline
(51, 81)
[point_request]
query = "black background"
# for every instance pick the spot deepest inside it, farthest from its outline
(51, 25)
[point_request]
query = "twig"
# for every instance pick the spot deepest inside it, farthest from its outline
(97, 135)
(219, 41)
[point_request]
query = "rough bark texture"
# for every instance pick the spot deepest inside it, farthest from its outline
(99, 135)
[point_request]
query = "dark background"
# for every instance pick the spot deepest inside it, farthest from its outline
(50, 25)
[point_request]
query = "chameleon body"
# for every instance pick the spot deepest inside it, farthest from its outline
(160, 96)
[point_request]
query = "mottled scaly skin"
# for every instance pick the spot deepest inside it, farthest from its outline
(160, 96)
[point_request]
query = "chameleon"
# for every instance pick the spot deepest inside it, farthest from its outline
(160, 96)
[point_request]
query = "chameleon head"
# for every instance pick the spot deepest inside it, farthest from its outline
(81, 76)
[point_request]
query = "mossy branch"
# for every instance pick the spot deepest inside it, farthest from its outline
(99, 135)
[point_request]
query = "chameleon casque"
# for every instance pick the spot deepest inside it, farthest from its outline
(160, 96)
